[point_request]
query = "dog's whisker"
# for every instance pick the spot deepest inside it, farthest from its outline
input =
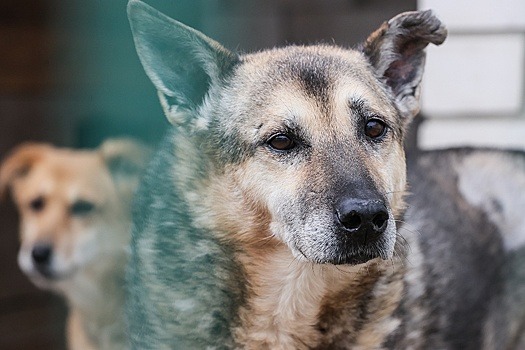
(393, 264)
(401, 240)
(359, 274)
(395, 191)
(408, 227)
(401, 257)
(266, 240)
(341, 270)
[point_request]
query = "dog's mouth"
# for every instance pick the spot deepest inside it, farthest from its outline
(358, 257)
(349, 254)
(45, 274)
(343, 248)
(50, 274)
(43, 265)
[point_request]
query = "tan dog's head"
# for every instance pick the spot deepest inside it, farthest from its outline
(74, 205)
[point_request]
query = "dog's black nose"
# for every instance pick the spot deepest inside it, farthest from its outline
(41, 254)
(363, 217)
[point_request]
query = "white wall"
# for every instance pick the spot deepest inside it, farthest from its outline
(473, 89)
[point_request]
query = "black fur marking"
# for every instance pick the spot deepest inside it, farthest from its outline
(315, 82)
(311, 72)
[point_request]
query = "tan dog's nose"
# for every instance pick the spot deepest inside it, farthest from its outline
(41, 255)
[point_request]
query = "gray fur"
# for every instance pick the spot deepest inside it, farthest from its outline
(461, 256)
(179, 276)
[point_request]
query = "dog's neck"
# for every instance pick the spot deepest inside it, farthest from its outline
(287, 297)
(96, 297)
(95, 287)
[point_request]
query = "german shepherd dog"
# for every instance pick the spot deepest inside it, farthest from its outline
(272, 217)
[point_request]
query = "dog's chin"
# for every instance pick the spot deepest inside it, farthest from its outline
(345, 253)
(351, 259)
(47, 278)
(340, 258)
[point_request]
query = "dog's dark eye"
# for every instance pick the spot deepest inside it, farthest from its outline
(37, 204)
(375, 128)
(281, 142)
(82, 207)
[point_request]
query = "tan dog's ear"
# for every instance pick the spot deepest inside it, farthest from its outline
(125, 159)
(396, 51)
(19, 162)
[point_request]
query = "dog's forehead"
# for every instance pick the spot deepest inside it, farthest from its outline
(315, 67)
(310, 81)
(69, 174)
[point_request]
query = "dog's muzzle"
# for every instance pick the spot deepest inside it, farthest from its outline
(41, 255)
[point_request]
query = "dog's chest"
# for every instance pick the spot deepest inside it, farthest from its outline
(291, 305)
(282, 304)
(362, 315)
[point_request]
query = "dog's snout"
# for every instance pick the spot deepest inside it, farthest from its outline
(368, 217)
(41, 254)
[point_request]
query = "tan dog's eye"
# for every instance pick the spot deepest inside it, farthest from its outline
(82, 207)
(281, 142)
(375, 128)
(37, 204)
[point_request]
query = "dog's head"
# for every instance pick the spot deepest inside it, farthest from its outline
(74, 205)
(304, 144)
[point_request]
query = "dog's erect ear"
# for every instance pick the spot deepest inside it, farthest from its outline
(181, 62)
(396, 51)
(19, 162)
(126, 159)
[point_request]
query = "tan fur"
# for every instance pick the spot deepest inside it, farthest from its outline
(274, 315)
(288, 298)
(88, 250)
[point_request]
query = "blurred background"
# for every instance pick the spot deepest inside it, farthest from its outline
(69, 75)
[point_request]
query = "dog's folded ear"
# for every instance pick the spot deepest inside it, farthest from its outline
(19, 162)
(396, 51)
(126, 159)
(181, 62)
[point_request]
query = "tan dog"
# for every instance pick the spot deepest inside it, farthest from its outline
(74, 229)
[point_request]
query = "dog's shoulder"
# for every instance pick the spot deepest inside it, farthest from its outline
(466, 236)
(198, 311)
(490, 181)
